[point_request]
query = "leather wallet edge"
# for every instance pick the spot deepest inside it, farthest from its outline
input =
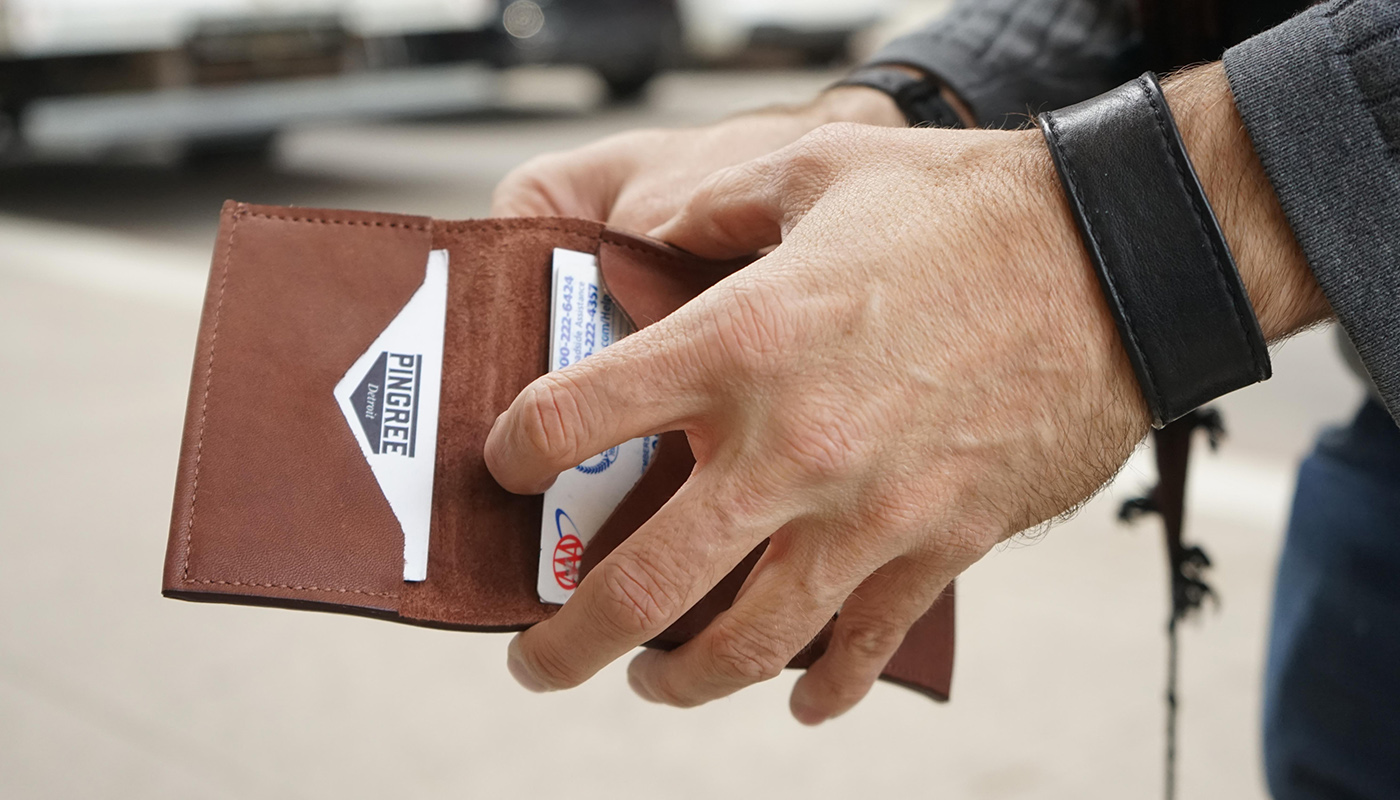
(177, 548)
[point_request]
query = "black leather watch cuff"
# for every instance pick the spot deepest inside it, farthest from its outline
(1166, 271)
(919, 99)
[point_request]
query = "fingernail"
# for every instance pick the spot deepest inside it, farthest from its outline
(519, 671)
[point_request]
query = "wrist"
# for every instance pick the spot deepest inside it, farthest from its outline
(854, 104)
(1281, 286)
(911, 96)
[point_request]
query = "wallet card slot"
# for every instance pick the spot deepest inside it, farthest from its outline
(484, 543)
(273, 499)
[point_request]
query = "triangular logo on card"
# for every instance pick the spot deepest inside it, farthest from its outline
(368, 402)
(386, 403)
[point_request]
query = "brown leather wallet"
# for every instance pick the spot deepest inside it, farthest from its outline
(274, 503)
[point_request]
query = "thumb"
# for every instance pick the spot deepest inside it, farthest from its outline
(736, 212)
(633, 388)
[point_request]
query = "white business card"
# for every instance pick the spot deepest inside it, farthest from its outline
(390, 400)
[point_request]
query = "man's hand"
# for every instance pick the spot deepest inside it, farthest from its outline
(923, 367)
(639, 179)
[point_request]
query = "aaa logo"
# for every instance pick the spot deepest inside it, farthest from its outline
(568, 552)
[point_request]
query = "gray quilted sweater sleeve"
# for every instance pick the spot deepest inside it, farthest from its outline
(1011, 58)
(1320, 96)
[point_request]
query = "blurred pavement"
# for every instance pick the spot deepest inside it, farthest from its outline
(108, 690)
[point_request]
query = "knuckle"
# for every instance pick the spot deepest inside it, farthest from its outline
(952, 548)
(803, 172)
(812, 160)
(825, 141)
(638, 601)
(819, 442)
(745, 657)
(841, 134)
(713, 186)
(723, 205)
(752, 334)
(739, 508)
(941, 554)
(868, 640)
(894, 510)
(552, 417)
(720, 184)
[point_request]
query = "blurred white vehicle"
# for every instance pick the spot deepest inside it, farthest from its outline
(719, 30)
(37, 28)
(84, 75)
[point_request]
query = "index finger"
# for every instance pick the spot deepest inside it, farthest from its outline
(643, 586)
(641, 385)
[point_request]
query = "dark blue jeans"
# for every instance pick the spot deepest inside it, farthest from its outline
(1332, 692)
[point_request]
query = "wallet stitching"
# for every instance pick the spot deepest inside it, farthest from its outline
(604, 236)
(652, 252)
(329, 221)
(204, 408)
(503, 228)
(207, 581)
(460, 227)
(208, 382)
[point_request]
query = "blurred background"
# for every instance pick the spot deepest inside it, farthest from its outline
(123, 126)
